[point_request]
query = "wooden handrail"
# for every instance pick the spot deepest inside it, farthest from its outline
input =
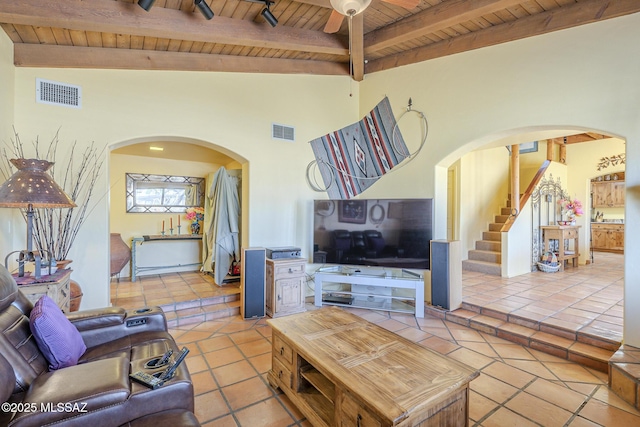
(527, 194)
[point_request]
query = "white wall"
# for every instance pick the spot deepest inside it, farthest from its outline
(230, 112)
(586, 78)
(9, 218)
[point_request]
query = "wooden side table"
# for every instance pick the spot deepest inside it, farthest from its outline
(56, 286)
(563, 233)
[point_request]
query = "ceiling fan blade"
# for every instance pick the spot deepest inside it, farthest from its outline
(334, 23)
(407, 4)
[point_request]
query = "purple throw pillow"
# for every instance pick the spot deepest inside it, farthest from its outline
(57, 338)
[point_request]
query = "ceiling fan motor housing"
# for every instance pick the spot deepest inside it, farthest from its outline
(350, 7)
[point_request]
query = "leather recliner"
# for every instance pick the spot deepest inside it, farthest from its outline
(97, 391)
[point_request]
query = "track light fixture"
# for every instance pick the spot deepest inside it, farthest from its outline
(267, 15)
(204, 8)
(146, 4)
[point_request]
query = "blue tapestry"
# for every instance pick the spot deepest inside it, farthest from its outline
(351, 159)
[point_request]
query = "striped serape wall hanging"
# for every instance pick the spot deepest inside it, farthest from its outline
(351, 159)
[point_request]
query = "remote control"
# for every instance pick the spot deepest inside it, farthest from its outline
(146, 379)
(168, 373)
(165, 358)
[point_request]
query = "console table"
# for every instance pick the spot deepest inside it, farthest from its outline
(341, 370)
(562, 234)
(371, 288)
(135, 269)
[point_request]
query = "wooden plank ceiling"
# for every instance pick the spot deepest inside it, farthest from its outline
(173, 34)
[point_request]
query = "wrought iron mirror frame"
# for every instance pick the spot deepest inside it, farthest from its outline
(132, 179)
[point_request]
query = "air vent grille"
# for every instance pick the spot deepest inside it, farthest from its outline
(286, 133)
(55, 93)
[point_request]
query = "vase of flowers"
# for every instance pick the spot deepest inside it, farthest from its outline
(195, 215)
(570, 210)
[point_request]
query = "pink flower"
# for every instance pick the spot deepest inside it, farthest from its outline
(195, 214)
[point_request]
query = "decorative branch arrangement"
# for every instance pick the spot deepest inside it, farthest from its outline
(56, 229)
(615, 160)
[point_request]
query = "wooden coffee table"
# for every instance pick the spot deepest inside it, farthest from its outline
(341, 370)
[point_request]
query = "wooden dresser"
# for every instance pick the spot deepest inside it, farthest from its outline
(341, 370)
(285, 286)
(55, 286)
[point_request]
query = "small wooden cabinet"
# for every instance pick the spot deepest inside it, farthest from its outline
(285, 286)
(58, 289)
(608, 194)
(607, 237)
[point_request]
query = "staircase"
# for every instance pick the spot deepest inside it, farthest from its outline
(487, 255)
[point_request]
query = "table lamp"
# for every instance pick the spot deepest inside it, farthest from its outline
(28, 188)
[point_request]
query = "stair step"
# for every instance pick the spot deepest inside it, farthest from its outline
(624, 375)
(487, 256)
(496, 226)
(498, 324)
(501, 218)
(482, 267)
(201, 310)
(488, 245)
(505, 211)
(492, 235)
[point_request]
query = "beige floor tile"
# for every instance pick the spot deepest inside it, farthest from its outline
(480, 406)
(233, 373)
(492, 388)
(506, 418)
(608, 416)
(246, 393)
(222, 357)
(267, 413)
(210, 406)
(509, 374)
(559, 395)
(538, 410)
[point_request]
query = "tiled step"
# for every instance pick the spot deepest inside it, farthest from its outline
(482, 267)
(624, 374)
(200, 310)
(488, 245)
(587, 351)
(486, 256)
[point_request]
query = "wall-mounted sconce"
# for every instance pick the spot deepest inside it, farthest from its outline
(146, 4)
(204, 8)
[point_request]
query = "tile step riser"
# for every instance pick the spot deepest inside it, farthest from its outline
(601, 364)
(542, 327)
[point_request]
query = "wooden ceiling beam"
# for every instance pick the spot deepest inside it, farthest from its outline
(585, 12)
(128, 18)
(431, 20)
(30, 55)
(357, 47)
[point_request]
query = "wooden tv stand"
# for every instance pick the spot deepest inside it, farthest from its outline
(341, 370)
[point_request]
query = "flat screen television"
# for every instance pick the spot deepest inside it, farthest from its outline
(373, 232)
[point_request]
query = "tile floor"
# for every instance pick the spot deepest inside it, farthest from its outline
(518, 386)
(230, 357)
(585, 300)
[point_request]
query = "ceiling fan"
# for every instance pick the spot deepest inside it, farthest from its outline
(342, 8)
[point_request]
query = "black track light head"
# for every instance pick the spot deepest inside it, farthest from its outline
(204, 8)
(268, 16)
(146, 4)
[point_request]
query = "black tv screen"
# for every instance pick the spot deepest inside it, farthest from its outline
(374, 232)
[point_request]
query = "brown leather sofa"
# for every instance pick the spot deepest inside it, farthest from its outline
(97, 391)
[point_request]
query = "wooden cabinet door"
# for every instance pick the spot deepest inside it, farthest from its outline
(617, 193)
(289, 294)
(600, 192)
(599, 238)
(616, 240)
